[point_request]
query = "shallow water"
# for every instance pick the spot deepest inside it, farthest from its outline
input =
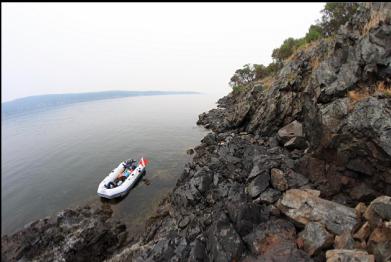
(55, 159)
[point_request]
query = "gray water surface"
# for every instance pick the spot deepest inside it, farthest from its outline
(55, 159)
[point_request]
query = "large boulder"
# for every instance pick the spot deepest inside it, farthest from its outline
(304, 206)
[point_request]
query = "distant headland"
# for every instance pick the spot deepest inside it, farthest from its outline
(32, 103)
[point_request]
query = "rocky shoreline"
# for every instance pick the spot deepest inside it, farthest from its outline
(296, 171)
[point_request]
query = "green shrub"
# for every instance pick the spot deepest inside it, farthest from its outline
(288, 47)
(237, 89)
(273, 68)
(314, 33)
(260, 71)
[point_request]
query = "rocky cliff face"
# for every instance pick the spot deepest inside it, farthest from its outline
(296, 171)
(339, 90)
(290, 168)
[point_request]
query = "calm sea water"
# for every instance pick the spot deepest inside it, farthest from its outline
(55, 159)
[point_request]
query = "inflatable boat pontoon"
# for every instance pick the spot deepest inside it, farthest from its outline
(122, 179)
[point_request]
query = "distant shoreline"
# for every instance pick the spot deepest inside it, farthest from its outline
(37, 103)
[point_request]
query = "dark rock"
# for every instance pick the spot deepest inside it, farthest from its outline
(269, 196)
(202, 180)
(380, 207)
(272, 142)
(258, 185)
(246, 215)
(255, 171)
(285, 253)
(193, 230)
(362, 193)
(315, 237)
(295, 180)
(270, 234)
(198, 253)
(184, 222)
(209, 139)
(163, 250)
(240, 112)
(361, 166)
(334, 113)
(296, 143)
(223, 243)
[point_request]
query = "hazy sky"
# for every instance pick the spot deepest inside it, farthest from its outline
(82, 47)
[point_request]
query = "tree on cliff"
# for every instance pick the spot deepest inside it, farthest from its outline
(335, 14)
(243, 76)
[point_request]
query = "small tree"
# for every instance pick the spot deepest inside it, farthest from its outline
(243, 76)
(314, 33)
(336, 14)
(260, 71)
(287, 48)
(273, 67)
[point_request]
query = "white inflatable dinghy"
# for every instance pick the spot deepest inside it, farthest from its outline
(122, 179)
